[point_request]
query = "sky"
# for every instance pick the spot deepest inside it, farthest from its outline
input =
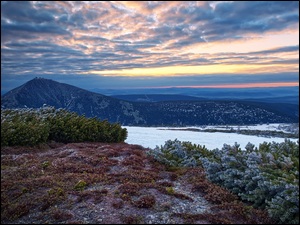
(151, 44)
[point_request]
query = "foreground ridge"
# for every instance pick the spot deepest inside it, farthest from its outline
(110, 183)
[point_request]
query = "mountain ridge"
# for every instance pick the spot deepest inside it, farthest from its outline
(267, 94)
(39, 91)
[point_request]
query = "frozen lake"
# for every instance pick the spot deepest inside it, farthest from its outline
(149, 137)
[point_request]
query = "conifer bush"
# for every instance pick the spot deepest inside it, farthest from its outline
(179, 154)
(22, 128)
(34, 126)
(266, 177)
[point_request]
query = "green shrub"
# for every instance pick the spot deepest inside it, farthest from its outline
(80, 185)
(22, 128)
(33, 126)
(266, 177)
(180, 154)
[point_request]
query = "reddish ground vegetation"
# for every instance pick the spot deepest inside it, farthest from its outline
(110, 183)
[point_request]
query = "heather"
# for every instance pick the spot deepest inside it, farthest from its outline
(115, 183)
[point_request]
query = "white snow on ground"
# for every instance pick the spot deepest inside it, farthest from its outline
(149, 137)
(284, 127)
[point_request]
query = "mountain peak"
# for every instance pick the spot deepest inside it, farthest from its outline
(40, 79)
(39, 91)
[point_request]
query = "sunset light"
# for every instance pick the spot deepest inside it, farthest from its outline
(249, 85)
(116, 44)
(186, 70)
(150, 112)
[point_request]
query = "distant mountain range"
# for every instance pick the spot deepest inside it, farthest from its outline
(148, 110)
(156, 97)
(293, 99)
(268, 94)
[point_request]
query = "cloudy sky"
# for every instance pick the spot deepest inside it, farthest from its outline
(139, 44)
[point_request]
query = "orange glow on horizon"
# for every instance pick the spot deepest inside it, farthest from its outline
(199, 70)
(249, 85)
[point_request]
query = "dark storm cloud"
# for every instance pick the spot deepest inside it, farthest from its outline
(254, 16)
(12, 29)
(39, 49)
(22, 20)
(231, 20)
(24, 11)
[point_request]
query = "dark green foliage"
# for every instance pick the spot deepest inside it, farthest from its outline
(29, 127)
(80, 185)
(19, 128)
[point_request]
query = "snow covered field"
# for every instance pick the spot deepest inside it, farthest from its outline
(284, 127)
(149, 137)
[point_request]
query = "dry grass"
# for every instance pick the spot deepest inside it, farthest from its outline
(109, 183)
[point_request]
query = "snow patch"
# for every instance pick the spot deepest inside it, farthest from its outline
(150, 137)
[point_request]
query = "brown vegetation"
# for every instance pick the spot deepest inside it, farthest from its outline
(110, 183)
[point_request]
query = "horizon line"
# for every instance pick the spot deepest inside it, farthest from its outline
(249, 85)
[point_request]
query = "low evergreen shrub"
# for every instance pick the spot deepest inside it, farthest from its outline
(266, 177)
(28, 127)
